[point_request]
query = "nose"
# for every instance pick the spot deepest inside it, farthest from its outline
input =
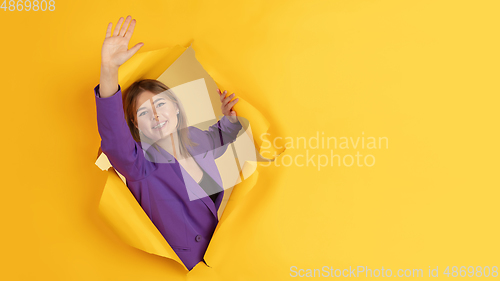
(155, 117)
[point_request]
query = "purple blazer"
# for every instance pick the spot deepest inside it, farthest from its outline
(180, 209)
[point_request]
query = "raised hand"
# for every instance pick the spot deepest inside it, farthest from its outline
(115, 50)
(227, 107)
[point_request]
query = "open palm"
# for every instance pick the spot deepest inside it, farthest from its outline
(115, 50)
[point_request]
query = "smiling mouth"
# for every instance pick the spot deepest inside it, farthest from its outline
(160, 125)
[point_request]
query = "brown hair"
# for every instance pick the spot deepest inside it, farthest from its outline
(130, 96)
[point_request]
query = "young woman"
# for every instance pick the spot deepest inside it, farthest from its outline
(169, 167)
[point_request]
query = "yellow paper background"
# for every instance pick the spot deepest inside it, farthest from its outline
(423, 74)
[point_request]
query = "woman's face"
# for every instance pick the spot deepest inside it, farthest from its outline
(156, 115)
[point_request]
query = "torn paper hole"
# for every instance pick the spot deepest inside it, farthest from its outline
(118, 205)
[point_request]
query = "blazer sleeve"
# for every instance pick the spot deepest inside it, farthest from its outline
(221, 134)
(123, 152)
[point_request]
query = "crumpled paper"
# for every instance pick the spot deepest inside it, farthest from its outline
(119, 208)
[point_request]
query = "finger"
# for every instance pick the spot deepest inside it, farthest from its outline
(218, 91)
(226, 100)
(117, 27)
(222, 96)
(134, 49)
(231, 104)
(108, 31)
(130, 30)
(125, 26)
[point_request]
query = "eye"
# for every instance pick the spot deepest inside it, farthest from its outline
(142, 113)
(160, 104)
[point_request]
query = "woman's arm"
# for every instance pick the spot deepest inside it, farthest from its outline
(226, 129)
(123, 152)
(109, 80)
(221, 134)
